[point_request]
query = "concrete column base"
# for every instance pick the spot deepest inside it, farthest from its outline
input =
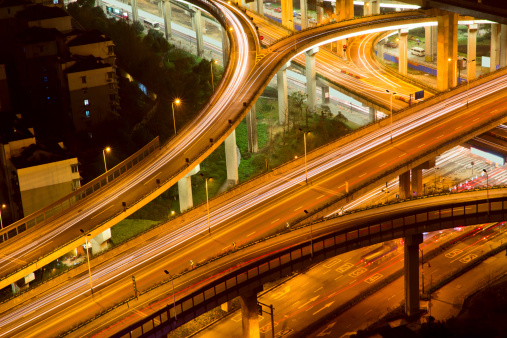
(227, 306)
(411, 262)
(135, 14)
(404, 185)
(167, 15)
(231, 158)
(250, 316)
(325, 94)
(251, 130)
(283, 99)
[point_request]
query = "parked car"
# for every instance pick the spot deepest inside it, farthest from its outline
(278, 10)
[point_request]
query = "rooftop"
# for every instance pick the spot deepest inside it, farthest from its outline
(87, 63)
(39, 12)
(86, 38)
(38, 154)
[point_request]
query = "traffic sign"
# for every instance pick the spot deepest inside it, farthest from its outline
(261, 37)
(344, 46)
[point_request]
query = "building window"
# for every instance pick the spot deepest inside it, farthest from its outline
(49, 97)
(111, 86)
(74, 168)
(87, 113)
(110, 50)
(109, 75)
(83, 79)
(86, 102)
(45, 79)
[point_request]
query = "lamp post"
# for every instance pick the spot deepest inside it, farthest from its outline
(487, 188)
(207, 201)
(468, 82)
(104, 151)
(391, 94)
(311, 233)
(177, 101)
(174, 298)
(304, 139)
(88, 258)
(211, 65)
(1, 223)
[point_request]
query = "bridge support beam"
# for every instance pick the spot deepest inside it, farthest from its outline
(402, 57)
(311, 78)
(404, 185)
(375, 7)
(283, 99)
(471, 51)
(167, 14)
(325, 94)
(367, 8)
(287, 19)
(250, 315)
(320, 14)
(135, 14)
(251, 130)
(417, 185)
(412, 273)
(231, 158)
(447, 50)
(503, 46)
(304, 14)
(430, 42)
(495, 47)
(97, 241)
(372, 114)
(227, 306)
(225, 47)
(197, 25)
(160, 6)
(185, 190)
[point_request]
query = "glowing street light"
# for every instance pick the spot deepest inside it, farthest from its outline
(211, 65)
(391, 94)
(1, 224)
(207, 201)
(88, 257)
(104, 151)
(177, 101)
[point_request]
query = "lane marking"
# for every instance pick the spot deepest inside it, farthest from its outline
(251, 234)
(421, 145)
(362, 175)
(338, 277)
(298, 208)
(112, 205)
(440, 136)
(275, 220)
(382, 165)
(352, 281)
(458, 128)
(320, 197)
(318, 289)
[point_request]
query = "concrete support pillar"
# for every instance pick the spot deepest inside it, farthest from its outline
(311, 78)
(404, 185)
(344, 9)
(380, 50)
(185, 190)
(402, 57)
(411, 262)
(97, 241)
(98, 3)
(225, 46)
(325, 94)
(367, 8)
(250, 316)
(304, 14)
(185, 193)
(167, 15)
(251, 130)
(417, 187)
(283, 99)
(253, 6)
(430, 42)
(260, 7)
(231, 158)
(160, 7)
(287, 14)
(453, 49)
(197, 25)
(135, 15)
(503, 46)
(227, 306)
(320, 14)
(375, 7)
(447, 50)
(372, 114)
(495, 46)
(471, 51)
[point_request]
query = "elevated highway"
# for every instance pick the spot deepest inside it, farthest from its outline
(244, 81)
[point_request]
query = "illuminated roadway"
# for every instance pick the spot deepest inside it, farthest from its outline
(247, 217)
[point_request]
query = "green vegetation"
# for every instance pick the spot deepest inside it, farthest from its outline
(128, 228)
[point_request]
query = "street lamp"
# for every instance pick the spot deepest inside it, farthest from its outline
(487, 188)
(391, 94)
(104, 151)
(306, 168)
(88, 258)
(468, 82)
(1, 224)
(174, 299)
(311, 233)
(177, 101)
(211, 65)
(207, 201)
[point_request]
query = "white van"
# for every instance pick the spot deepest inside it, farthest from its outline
(417, 51)
(151, 24)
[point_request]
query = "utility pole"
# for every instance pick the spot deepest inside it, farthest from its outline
(272, 313)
